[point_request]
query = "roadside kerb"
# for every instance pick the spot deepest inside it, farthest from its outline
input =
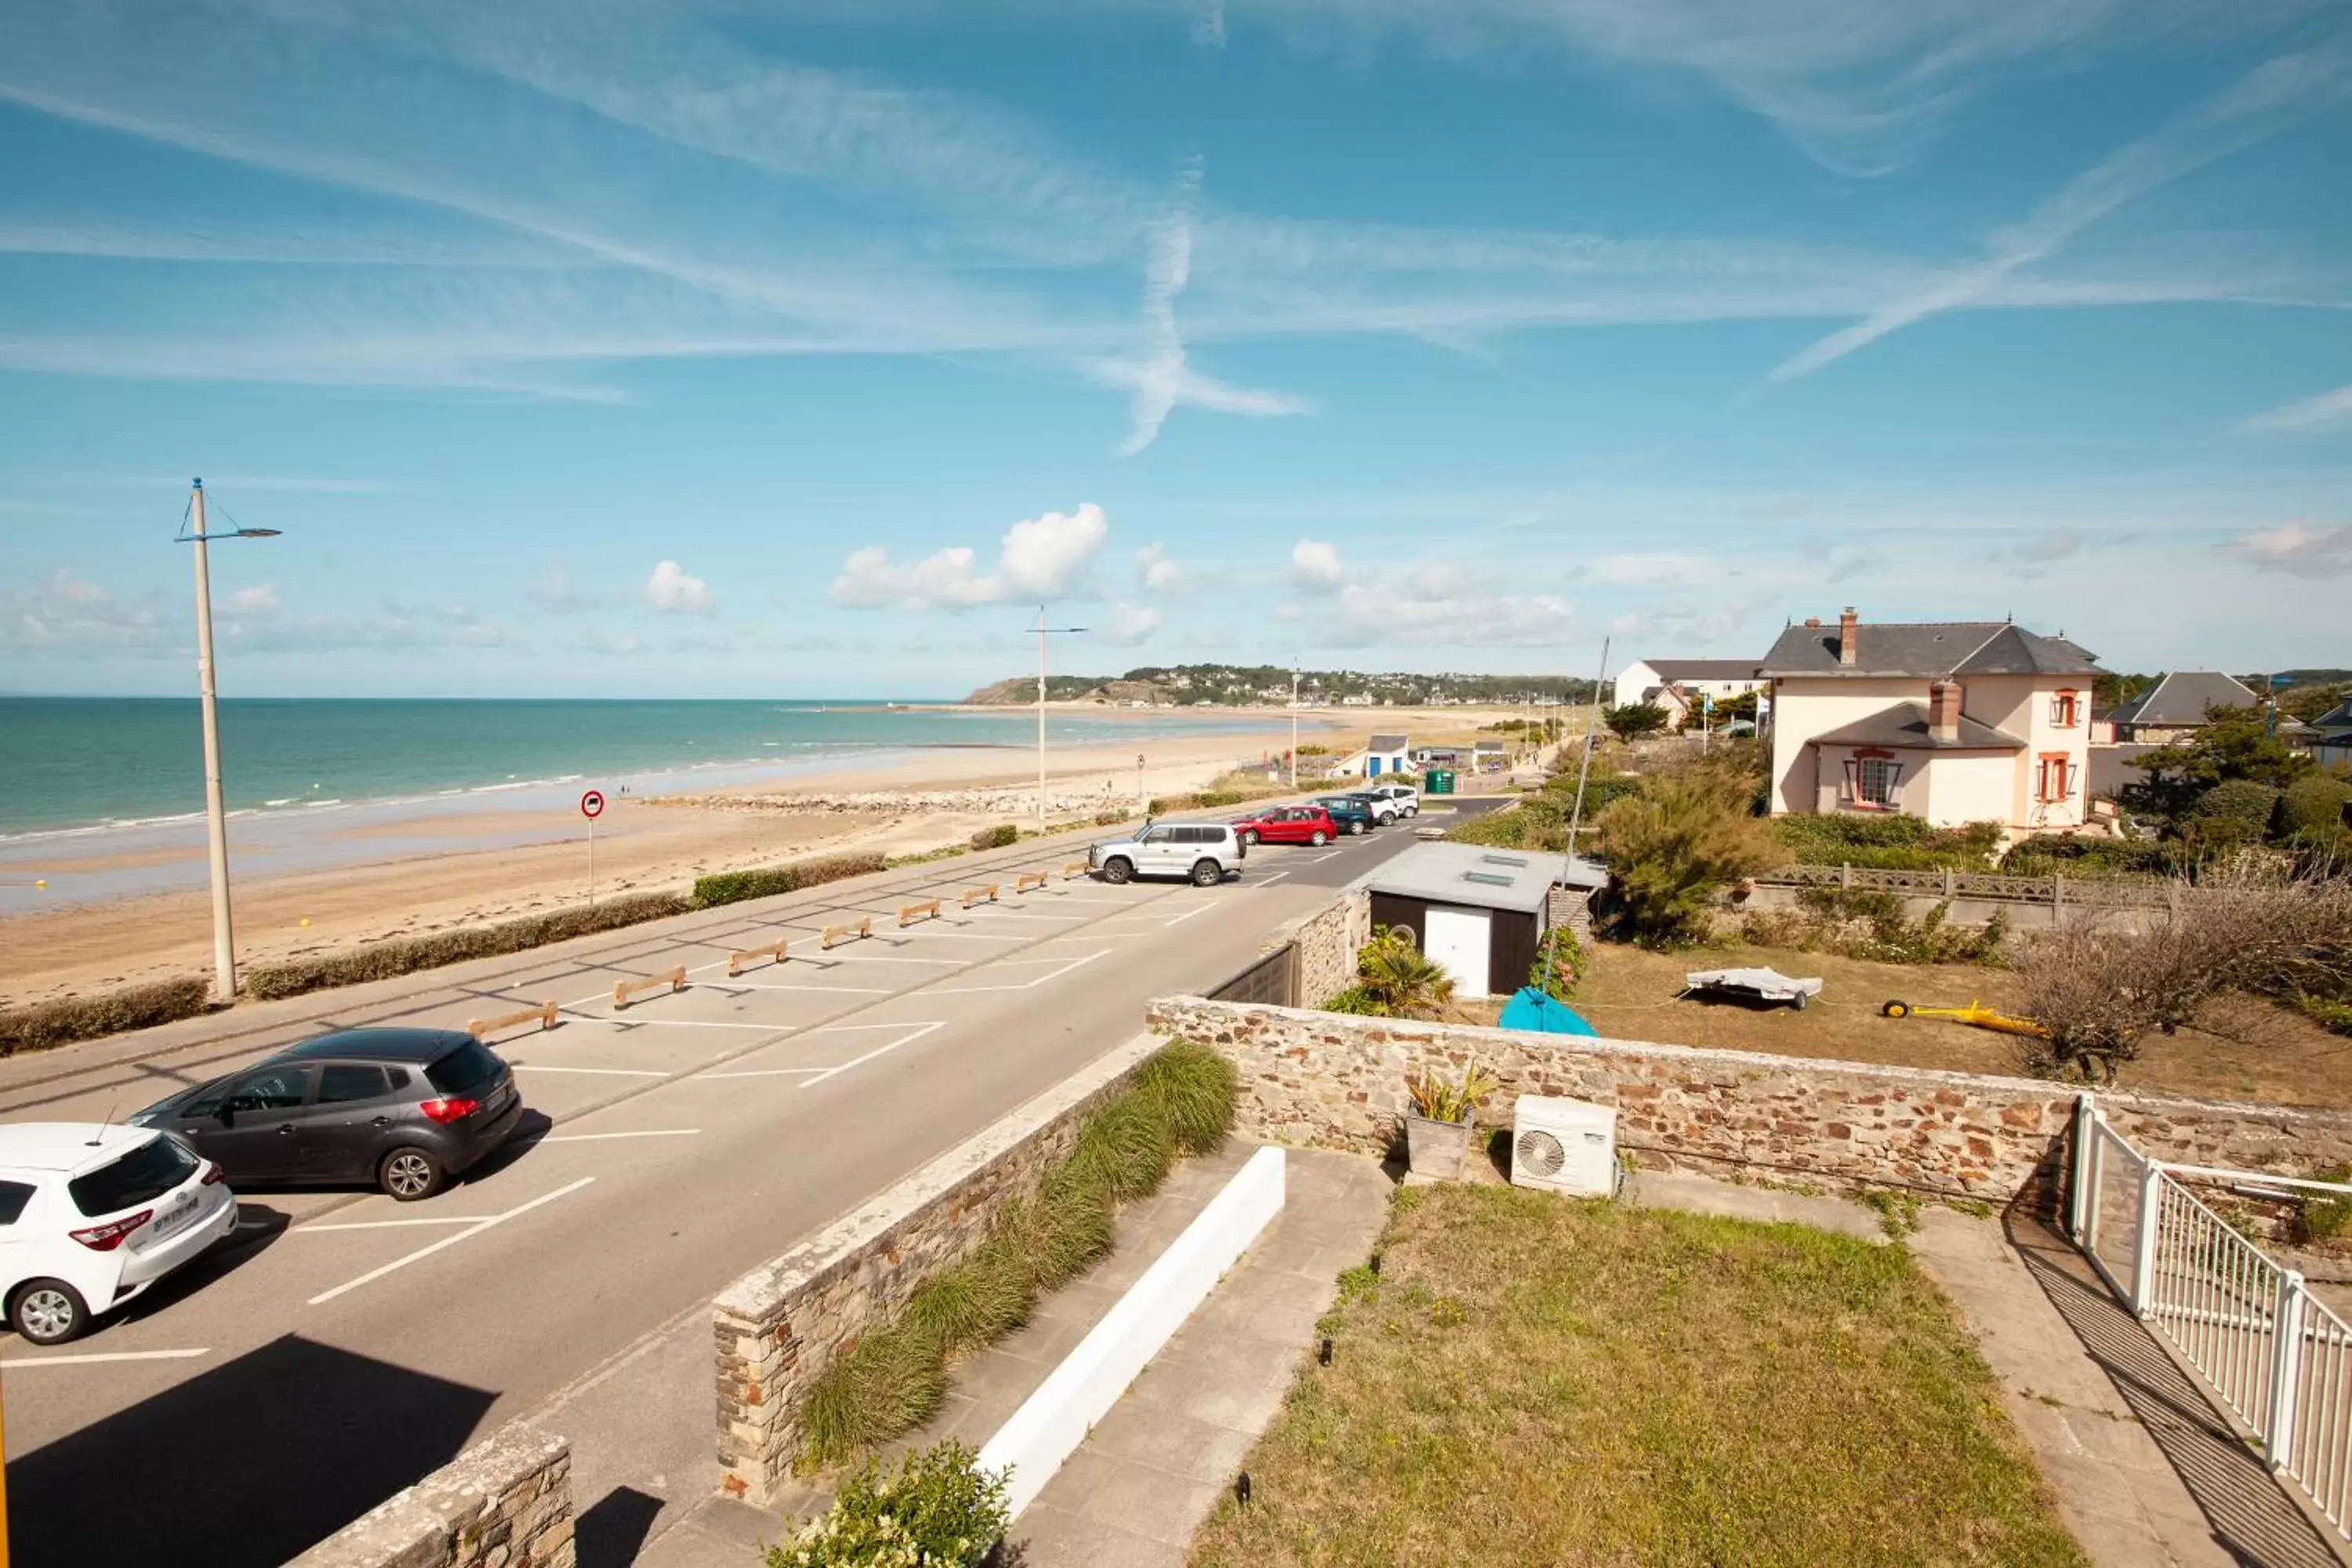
(778, 950)
(779, 1325)
(672, 979)
(544, 1011)
(857, 930)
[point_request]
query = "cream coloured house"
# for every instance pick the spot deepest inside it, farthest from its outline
(1953, 722)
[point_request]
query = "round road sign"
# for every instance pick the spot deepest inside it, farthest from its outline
(592, 805)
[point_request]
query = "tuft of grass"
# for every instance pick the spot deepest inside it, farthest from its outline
(1195, 1087)
(1125, 1149)
(1593, 1384)
(979, 1301)
(893, 1382)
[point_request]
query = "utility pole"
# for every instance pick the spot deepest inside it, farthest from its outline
(215, 812)
(1294, 724)
(1584, 768)
(1044, 631)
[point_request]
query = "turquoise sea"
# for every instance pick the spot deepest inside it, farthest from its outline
(77, 762)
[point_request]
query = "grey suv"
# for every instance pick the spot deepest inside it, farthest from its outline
(1205, 852)
(403, 1110)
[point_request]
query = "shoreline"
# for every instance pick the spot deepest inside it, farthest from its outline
(135, 910)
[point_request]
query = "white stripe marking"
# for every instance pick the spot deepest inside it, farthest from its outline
(762, 1072)
(918, 1033)
(597, 1072)
(1024, 985)
(672, 1022)
(16, 1362)
(600, 1137)
(845, 989)
(429, 1251)
(1269, 881)
(1188, 914)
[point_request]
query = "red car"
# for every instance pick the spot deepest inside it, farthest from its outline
(1288, 824)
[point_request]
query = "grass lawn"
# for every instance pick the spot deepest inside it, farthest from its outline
(1531, 1380)
(2253, 1049)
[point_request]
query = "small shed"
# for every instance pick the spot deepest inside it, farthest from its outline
(1479, 912)
(1387, 754)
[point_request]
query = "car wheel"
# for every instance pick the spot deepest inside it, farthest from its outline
(1249, 838)
(1357, 826)
(1118, 869)
(1207, 873)
(50, 1312)
(1318, 839)
(409, 1173)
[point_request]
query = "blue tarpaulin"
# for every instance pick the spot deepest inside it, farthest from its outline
(1531, 1010)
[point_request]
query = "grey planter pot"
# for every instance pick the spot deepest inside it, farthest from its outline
(1436, 1148)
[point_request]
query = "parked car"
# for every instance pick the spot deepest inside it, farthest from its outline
(403, 1110)
(1351, 813)
(1406, 798)
(1288, 824)
(91, 1215)
(1385, 810)
(1207, 852)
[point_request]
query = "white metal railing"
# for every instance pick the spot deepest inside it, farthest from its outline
(2274, 1357)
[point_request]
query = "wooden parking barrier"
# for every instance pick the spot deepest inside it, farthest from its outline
(909, 913)
(542, 1011)
(864, 928)
(736, 960)
(985, 891)
(1074, 868)
(673, 978)
(1028, 879)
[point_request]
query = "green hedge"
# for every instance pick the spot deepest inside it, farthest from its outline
(406, 955)
(61, 1023)
(766, 881)
(1002, 836)
(1890, 841)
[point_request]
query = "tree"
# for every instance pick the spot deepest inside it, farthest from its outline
(2235, 744)
(1673, 848)
(1732, 710)
(2308, 703)
(1635, 720)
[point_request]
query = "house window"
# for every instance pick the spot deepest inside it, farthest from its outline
(1870, 782)
(2054, 780)
(2065, 710)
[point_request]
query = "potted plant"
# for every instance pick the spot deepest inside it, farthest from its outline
(1437, 1129)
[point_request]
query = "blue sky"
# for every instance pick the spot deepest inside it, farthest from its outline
(703, 350)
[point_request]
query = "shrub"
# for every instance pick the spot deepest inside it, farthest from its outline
(1125, 1149)
(1194, 1088)
(1887, 840)
(2327, 1218)
(1672, 850)
(1357, 1001)
(766, 881)
(979, 1301)
(893, 1381)
(1873, 926)
(69, 1018)
(2073, 854)
(2332, 1016)
(1559, 965)
(1002, 835)
(1064, 1229)
(1109, 818)
(2313, 803)
(937, 1509)
(1404, 981)
(1635, 720)
(406, 955)
(2232, 813)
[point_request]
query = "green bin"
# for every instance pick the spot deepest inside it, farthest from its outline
(1439, 781)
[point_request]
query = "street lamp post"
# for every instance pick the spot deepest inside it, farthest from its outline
(1044, 631)
(1294, 724)
(215, 814)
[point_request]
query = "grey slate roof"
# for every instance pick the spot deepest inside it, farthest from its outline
(2336, 718)
(1471, 875)
(1904, 726)
(2181, 699)
(1704, 669)
(1928, 650)
(1387, 743)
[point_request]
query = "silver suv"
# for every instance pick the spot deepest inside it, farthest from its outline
(1206, 852)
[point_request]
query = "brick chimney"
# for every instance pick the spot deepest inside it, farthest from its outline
(1847, 623)
(1943, 711)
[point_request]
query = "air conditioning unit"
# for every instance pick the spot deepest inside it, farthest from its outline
(1564, 1146)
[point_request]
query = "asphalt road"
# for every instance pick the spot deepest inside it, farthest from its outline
(340, 1346)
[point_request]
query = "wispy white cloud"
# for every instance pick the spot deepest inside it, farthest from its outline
(672, 591)
(2256, 106)
(1157, 572)
(1041, 557)
(2327, 411)
(1130, 624)
(1445, 612)
(2295, 547)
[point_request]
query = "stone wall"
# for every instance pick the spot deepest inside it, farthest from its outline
(1573, 908)
(1332, 1082)
(1327, 941)
(506, 1502)
(779, 1326)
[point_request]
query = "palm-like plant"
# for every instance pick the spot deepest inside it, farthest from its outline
(1401, 978)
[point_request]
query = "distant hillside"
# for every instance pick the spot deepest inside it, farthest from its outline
(1229, 686)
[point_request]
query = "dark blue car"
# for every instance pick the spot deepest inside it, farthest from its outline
(1351, 814)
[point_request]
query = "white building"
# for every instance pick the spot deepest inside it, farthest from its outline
(1644, 680)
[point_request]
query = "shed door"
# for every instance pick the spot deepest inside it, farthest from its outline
(1460, 939)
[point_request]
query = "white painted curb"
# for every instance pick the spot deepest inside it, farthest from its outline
(1053, 1422)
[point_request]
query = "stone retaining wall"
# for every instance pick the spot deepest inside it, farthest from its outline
(779, 1326)
(506, 1502)
(1328, 942)
(1327, 1080)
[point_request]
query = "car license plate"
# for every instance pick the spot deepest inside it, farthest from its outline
(176, 1218)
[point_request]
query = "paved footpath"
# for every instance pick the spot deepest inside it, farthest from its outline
(339, 1346)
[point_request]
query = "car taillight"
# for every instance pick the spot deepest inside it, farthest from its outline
(107, 1238)
(213, 1173)
(452, 1109)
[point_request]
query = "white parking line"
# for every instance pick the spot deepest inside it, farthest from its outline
(424, 1252)
(1188, 914)
(915, 1032)
(897, 958)
(670, 1023)
(769, 985)
(394, 1223)
(600, 1137)
(1024, 985)
(1269, 881)
(594, 1072)
(763, 1072)
(17, 1363)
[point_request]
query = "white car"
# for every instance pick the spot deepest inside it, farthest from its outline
(91, 1215)
(1407, 799)
(1206, 853)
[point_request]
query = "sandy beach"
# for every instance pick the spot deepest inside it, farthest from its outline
(495, 861)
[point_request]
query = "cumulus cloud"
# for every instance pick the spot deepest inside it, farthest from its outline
(1129, 625)
(1315, 565)
(1039, 558)
(63, 615)
(673, 592)
(2292, 547)
(1157, 572)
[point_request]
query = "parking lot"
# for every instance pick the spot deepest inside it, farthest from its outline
(340, 1344)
